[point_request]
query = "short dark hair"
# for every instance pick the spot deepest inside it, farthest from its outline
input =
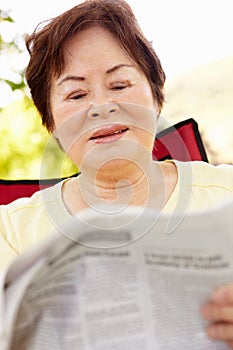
(46, 48)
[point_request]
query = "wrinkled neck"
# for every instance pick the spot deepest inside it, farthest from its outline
(128, 185)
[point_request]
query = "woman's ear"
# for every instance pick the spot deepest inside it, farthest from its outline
(157, 109)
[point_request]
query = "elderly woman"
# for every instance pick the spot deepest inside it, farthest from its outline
(99, 87)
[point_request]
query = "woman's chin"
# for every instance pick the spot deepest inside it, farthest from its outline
(112, 157)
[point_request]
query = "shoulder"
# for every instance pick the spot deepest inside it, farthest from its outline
(26, 220)
(45, 204)
(205, 174)
(202, 185)
(37, 200)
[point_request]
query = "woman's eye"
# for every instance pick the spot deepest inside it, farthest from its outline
(120, 85)
(77, 95)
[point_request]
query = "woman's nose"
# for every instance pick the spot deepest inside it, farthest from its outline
(103, 110)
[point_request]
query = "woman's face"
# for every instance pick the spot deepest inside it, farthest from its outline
(102, 103)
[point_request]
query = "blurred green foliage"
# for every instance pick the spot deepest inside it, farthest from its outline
(27, 150)
(11, 47)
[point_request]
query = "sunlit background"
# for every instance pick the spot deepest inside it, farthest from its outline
(193, 39)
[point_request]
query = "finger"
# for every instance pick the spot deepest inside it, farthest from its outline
(223, 295)
(214, 312)
(230, 344)
(221, 331)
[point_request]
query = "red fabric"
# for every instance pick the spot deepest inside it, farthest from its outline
(11, 190)
(181, 141)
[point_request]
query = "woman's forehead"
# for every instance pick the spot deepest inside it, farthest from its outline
(92, 38)
(95, 47)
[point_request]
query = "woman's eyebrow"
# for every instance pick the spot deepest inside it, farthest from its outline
(118, 66)
(77, 78)
(70, 77)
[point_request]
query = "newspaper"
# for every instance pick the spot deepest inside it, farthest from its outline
(114, 279)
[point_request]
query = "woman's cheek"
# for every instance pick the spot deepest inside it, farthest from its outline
(69, 128)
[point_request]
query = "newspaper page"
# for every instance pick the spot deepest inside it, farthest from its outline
(122, 281)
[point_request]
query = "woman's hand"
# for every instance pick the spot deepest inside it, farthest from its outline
(219, 312)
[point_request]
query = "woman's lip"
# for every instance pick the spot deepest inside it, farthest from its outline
(109, 138)
(108, 131)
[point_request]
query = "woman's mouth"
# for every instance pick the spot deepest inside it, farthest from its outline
(109, 134)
